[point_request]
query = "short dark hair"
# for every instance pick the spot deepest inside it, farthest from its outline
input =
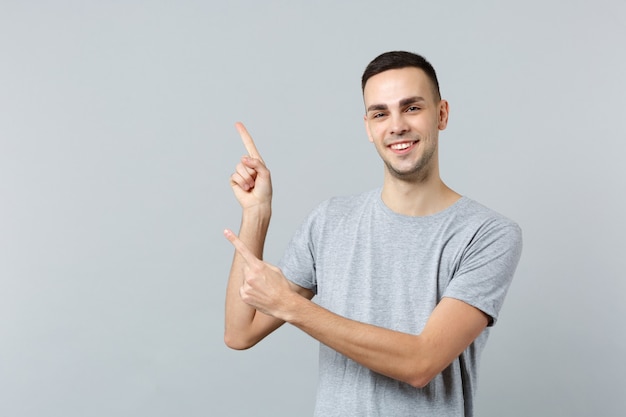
(397, 60)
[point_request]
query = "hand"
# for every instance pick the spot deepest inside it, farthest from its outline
(251, 181)
(264, 286)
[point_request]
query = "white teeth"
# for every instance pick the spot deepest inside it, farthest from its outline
(400, 146)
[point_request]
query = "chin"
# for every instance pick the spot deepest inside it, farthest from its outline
(414, 173)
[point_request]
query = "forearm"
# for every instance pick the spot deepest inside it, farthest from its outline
(255, 223)
(382, 350)
(414, 359)
(240, 317)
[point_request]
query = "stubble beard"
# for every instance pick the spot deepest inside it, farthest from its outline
(420, 170)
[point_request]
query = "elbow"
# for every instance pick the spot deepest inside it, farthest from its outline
(237, 343)
(423, 365)
(420, 375)
(420, 380)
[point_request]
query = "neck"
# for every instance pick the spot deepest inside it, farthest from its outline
(417, 198)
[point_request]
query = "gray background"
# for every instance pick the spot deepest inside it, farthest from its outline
(117, 141)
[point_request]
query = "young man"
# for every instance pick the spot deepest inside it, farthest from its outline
(407, 277)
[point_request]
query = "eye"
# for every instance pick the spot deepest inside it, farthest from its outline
(412, 109)
(377, 115)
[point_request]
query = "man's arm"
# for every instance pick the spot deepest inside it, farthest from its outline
(414, 359)
(243, 327)
(252, 186)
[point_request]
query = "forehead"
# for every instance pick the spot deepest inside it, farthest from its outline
(391, 86)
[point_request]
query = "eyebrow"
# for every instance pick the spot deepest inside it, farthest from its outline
(401, 103)
(411, 100)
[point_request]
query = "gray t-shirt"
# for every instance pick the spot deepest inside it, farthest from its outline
(370, 264)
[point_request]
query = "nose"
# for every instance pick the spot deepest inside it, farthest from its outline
(399, 125)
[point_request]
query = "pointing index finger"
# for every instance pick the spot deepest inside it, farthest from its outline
(247, 141)
(240, 246)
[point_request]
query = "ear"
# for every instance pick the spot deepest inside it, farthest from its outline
(367, 129)
(444, 111)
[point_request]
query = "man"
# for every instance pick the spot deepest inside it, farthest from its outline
(407, 277)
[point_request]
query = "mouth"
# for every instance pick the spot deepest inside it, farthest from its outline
(402, 147)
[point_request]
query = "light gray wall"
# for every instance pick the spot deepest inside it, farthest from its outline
(117, 141)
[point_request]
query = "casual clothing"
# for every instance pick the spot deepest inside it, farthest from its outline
(370, 264)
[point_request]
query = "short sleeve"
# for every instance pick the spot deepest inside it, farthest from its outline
(487, 267)
(298, 261)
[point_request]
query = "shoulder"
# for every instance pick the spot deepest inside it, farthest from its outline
(487, 223)
(338, 212)
(473, 211)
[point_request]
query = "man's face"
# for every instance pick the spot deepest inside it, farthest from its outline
(403, 118)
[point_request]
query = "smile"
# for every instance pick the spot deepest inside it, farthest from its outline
(402, 145)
